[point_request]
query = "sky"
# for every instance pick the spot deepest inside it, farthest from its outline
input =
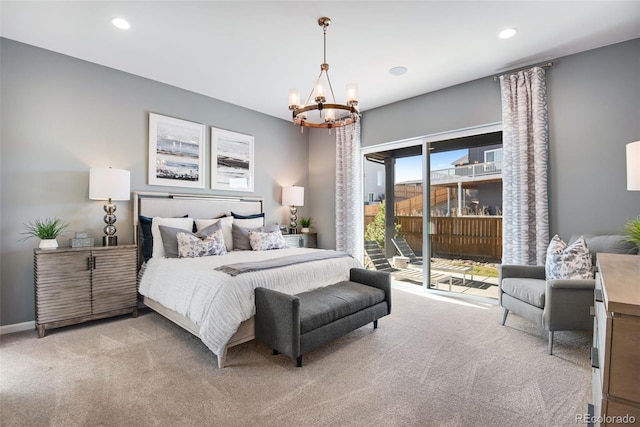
(410, 168)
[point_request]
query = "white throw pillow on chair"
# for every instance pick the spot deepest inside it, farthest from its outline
(568, 261)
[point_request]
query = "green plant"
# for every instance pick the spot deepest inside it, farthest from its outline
(48, 228)
(375, 230)
(632, 228)
(306, 222)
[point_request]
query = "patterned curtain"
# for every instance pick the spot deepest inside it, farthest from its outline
(349, 201)
(525, 142)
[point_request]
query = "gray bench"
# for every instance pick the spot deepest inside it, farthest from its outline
(295, 324)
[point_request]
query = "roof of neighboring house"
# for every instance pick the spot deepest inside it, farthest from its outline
(461, 161)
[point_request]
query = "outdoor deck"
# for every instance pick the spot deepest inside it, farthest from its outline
(480, 286)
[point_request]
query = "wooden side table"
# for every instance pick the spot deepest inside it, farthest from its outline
(76, 285)
(303, 240)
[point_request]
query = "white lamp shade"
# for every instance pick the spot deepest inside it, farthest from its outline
(293, 196)
(108, 183)
(633, 166)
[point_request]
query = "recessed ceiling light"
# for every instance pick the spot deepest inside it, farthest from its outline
(507, 33)
(121, 23)
(397, 71)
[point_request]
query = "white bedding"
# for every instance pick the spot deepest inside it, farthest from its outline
(218, 302)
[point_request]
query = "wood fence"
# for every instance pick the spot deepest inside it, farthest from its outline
(471, 237)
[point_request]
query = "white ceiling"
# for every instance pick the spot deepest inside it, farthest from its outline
(251, 53)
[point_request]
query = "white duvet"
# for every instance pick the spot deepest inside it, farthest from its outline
(218, 302)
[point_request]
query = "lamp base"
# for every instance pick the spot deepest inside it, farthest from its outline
(109, 240)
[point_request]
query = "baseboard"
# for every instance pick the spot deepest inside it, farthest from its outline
(17, 327)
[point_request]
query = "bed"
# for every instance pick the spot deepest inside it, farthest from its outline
(206, 295)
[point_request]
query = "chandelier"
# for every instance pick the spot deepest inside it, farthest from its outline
(330, 115)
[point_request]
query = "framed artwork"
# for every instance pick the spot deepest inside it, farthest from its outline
(176, 152)
(231, 160)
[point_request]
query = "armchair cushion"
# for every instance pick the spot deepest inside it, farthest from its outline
(568, 261)
(531, 291)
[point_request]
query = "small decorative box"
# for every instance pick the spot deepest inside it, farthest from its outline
(81, 243)
(82, 235)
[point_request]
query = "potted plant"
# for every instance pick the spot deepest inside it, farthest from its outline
(47, 230)
(633, 230)
(306, 223)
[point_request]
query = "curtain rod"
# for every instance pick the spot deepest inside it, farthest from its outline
(545, 65)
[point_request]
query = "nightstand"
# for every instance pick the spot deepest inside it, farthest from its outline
(76, 285)
(304, 240)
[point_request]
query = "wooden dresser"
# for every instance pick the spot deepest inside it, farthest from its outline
(75, 285)
(615, 355)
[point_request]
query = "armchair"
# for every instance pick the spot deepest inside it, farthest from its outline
(558, 304)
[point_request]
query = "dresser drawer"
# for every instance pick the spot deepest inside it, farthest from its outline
(600, 331)
(624, 369)
(619, 414)
(596, 391)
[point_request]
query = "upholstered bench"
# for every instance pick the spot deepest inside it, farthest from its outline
(295, 324)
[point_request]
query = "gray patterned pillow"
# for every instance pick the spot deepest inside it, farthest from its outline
(264, 241)
(568, 262)
(191, 246)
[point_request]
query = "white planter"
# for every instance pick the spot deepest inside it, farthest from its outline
(48, 244)
(305, 229)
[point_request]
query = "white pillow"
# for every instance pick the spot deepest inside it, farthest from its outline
(264, 241)
(226, 228)
(568, 262)
(158, 246)
(249, 223)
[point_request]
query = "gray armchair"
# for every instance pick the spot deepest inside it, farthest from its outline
(555, 305)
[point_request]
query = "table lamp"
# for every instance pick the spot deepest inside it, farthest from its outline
(293, 196)
(109, 184)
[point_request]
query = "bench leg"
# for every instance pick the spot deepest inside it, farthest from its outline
(375, 324)
(299, 361)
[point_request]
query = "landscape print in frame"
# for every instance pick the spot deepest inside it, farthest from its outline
(231, 160)
(176, 152)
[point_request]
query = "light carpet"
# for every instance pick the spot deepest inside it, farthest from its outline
(435, 361)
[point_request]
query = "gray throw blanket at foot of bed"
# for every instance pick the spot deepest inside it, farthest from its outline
(246, 267)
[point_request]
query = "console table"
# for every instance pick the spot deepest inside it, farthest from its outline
(75, 285)
(615, 356)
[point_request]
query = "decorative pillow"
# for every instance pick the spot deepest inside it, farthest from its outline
(241, 235)
(264, 241)
(225, 221)
(170, 237)
(158, 247)
(568, 262)
(253, 216)
(145, 236)
(191, 246)
(170, 240)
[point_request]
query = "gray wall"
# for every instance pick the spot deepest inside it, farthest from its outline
(61, 116)
(594, 111)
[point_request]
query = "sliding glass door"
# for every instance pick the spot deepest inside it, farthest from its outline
(433, 211)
